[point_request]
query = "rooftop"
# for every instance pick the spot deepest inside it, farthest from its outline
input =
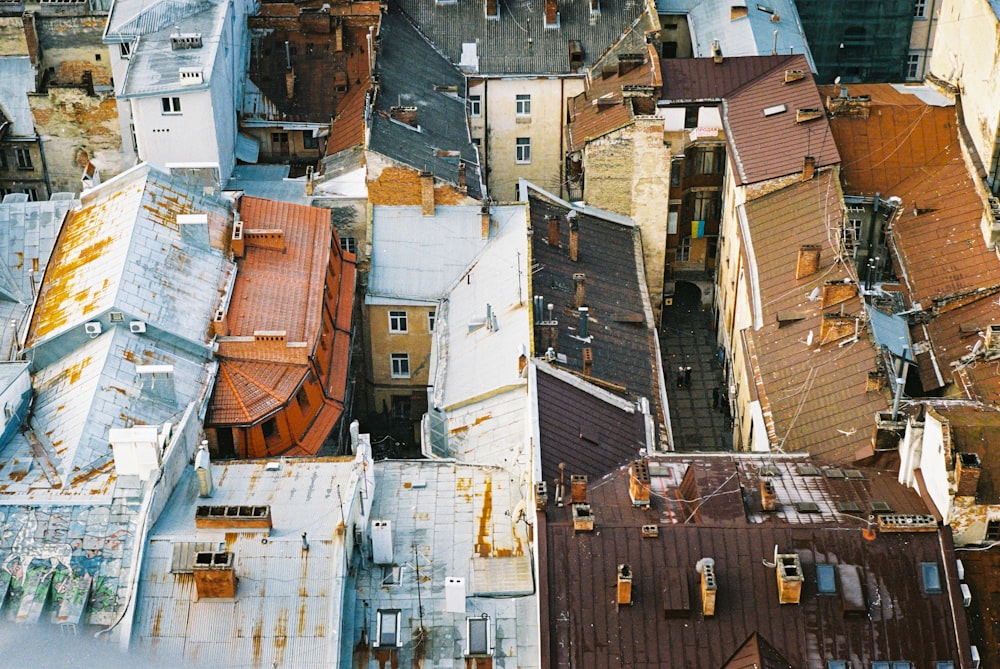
(811, 350)
(413, 74)
(621, 335)
(417, 257)
(710, 507)
(123, 248)
(693, 79)
(17, 79)
(517, 40)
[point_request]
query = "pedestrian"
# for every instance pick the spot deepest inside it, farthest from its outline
(680, 377)
(687, 377)
(715, 397)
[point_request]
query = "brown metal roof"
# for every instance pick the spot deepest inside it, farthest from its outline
(981, 569)
(756, 653)
(976, 430)
(688, 79)
(347, 128)
(815, 394)
(603, 108)
(766, 140)
(583, 626)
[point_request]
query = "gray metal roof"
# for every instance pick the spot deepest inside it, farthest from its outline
(417, 257)
(17, 79)
(409, 70)
(893, 332)
(154, 66)
(752, 35)
(518, 42)
(448, 521)
(270, 182)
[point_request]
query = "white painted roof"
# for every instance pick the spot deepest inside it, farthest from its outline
(17, 79)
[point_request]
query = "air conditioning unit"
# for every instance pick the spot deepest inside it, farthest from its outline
(137, 327)
(93, 328)
(966, 595)
(975, 658)
(961, 569)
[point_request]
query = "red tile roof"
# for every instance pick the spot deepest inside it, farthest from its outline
(814, 394)
(246, 391)
(754, 137)
(347, 129)
(603, 108)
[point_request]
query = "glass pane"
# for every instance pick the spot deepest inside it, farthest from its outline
(826, 581)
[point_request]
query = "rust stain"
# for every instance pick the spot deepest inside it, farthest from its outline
(463, 484)
(257, 630)
(459, 430)
(281, 637)
(407, 484)
(231, 538)
(482, 419)
(300, 629)
(483, 546)
(156, 622)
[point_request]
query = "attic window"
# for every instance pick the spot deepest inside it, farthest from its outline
(765, 9)
(836, 664)
(775, 110)
(931, 578)
(116, 317)
(848, 507)
(880, 507)
(826, 579)
(770, 470)
(478, 637)
(808, 470)
(807, 507)
(853, 474)
(834, 473)
(387, 628)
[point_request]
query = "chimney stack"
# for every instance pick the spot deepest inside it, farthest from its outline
(484, 217)
(290, 83)
(716, 52)
(462, 186)
(541, 496)
(203, 468)
(808, 168)
(583, 518)
(624, 585)
(706, 567)
(588, 361)
(768, 497)
(789, 571)
(579, 289)
(214, 576)
(427, 193)
(638, 483)
(808, 261)
(578, 488)
(553, 230)
(967, 470)
(406, 115)
(574, 236)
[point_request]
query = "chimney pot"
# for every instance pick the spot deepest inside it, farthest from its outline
(578, 488)
(789, 575)
(808, 261)
(624, 585)
(579, 289)
(967, 470)
(427, 193)
(808, 168)
(583, 518)
(574, 237)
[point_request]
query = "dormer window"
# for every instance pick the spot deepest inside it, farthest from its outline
(388, 623)
(478, 637)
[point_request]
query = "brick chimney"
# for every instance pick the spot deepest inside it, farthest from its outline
(716, 52)
(462, 186)
(237, 240)
(551, 14)
(574, 236)
(789, 573)
(214, 576)
(638, 483)
(967, 470)
(427, 193)
(768, 497)
(583, 518)
(808, 262)
(835, 292)
(835, 327)
(407, 115)
(553, 230)
(588, 361)
(290, 84)
(541, 496)
(709, 587)
(578, 488)
(484, 221)
(579, 289)
(624, 585)
(808, 168)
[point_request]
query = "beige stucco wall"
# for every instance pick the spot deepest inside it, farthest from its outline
(416, 342)
(12, 38)
(967, 55)
(922, 35)
(498, 128)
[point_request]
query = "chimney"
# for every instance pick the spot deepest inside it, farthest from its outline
(541, 496)
(789, 571)
(338, 36)
(233, 518)
(624, 585)
(214, 576)
(808, 262)
(582, 331)
(794, 75)
(310, 180)
(237, 240)
(768, 498)
(405, 115)
(629, 61)
(220, 324)
(484, 219)
(578, 488)
(835, 292)
(835, 327)
(583, 518)
(462, 186)
(808, 168)
(967, 470)
(716, 52)
(579, 289)
(427, 193)
(706, 567)
(203, 468)
(553, 230)
(807, 114)
(290, 84)
(574, 236)
(588, 361)
(551, 14)
(638, 483)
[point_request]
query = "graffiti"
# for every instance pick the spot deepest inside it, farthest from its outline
(27, 547)
(102, 598)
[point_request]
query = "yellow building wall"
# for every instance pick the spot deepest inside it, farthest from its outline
(416, 342)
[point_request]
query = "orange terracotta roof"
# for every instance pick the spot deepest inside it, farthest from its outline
(815, 394)
(602, 108)
(246, 391)
(279, 290)
(337, 380)
(911, 150)
(347, 129)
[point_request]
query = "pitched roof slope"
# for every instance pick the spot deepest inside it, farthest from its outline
(762, 114)
(413, 74)
(814, 394)
(756, 653)
(690, 79)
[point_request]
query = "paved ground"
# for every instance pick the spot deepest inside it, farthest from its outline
(686, 339)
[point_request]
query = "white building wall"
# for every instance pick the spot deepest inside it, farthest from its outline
(187, 137)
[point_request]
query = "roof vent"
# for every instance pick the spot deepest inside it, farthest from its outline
(190, 76)
(93, 328)
(136, 327)
(789, 571)
(214, 575)
(185, 41)
(624, 585)
(794, 75)
(583, 518)
(232, 517)
(709, 587)
(650, 531)
(810, 114)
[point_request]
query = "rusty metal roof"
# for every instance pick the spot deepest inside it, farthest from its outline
(692, 79)
(664, 624)
(813, 389)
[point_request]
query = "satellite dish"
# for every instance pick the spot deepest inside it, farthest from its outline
(836, 81)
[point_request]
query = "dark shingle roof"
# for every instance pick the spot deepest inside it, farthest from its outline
(409, 69)
(518, 42)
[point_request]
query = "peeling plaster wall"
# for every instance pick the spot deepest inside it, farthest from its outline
(71, 45)
(12, 37)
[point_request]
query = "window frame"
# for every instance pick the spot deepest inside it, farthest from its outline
(398, 322)
(475, 106)
(920, 9)
(22, 157)
(522, 104)
(522, 150)
(399, 365)
(683, 253)
(391, 619)
(826, 584)
(992, 529)
(309, 140)
(349, 244)
(930, 578)
(431, 320)
(486, 634)
(170, 105)
(125, 50)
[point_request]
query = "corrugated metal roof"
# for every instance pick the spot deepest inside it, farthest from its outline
(17, 79)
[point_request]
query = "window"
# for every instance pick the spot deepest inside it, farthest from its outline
(913, 66)
(523, 105)
(397, 321)
(944, 665)
(431, 317)
(675, 172)
(349, 244)
(270, 428)
(836, 664)
(931, 578)
(826, 579)
(920, 9)
(135, 142)
(401, 407)
(125, 49)
(684, 250)
(116, 316)
(400, 365)
(23, 157)
(848, 507)
(476, 105)
(523, 151)
(302, 397)
(691, 117)
(170, 105)
(851, 235)
(387, 629)
(478, 640)
(309, 141)
(993, 530)
(279, 143)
